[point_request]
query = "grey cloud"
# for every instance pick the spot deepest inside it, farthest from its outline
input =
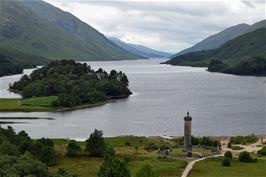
(248, 3)
(169, 26)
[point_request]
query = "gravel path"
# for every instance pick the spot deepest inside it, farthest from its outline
(191, 164)
(250, 148)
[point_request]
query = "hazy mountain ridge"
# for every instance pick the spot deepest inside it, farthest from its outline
(24, 30)
(218, 39)
(140, 50)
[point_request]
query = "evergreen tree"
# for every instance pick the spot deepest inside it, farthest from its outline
(73, 148)
(113, 167)
(95, 145)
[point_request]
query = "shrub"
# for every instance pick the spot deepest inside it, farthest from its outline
(61, 172)
(262, 152)
(7, 148)
(229, 145)
(151, 147)
(245, 157)
(73, 148)
(226, 162)
(237, 148)
(48, 156)
(24, 165)
(95, 145)
(146, 171)
(113, 167)
(228, 154)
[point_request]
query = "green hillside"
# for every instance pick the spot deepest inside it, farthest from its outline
(71, 24)
(233, 54)
(217, 40)
(24, 30)
(13, 61)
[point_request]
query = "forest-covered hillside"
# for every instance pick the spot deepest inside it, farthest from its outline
(246, 50)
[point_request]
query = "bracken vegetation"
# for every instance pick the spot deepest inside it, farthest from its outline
(243, 139)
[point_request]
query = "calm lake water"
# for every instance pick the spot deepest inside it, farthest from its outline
(219, 104)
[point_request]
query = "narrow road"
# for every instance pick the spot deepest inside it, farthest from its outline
(191, 164)
(250, 148)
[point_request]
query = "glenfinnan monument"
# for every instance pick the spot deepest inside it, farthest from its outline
(187, 133)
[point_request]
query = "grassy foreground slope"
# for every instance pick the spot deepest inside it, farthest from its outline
(213, 168)
(130, 147)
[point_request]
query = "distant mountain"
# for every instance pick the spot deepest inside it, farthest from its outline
(217, 40)
(140, 50)
(37, 28)
(245, 51)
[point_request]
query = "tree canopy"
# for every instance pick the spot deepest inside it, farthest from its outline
(74, 83)
(22, 156)
(95, 145)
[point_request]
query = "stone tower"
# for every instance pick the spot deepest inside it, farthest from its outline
(187, 133)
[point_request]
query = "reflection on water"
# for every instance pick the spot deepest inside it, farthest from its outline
(220, 104)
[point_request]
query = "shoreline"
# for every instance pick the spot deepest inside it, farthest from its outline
(220, 138)
(24, 108)
(204, 66)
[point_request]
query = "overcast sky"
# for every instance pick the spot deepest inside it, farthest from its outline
(163, 25)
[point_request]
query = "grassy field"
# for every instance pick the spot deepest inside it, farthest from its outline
(194, 149)
(40, 101)
(85, 166)
(37, 104)
(15, 104)
(213, 168)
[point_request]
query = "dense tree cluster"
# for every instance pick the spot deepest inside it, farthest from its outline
(217, 66)
(251, 66)
(74, 83)
(243, 139)
(13, 144)
(24, 165)
(203, 141)
(22, 156)
(8, 68)
(254, 66)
